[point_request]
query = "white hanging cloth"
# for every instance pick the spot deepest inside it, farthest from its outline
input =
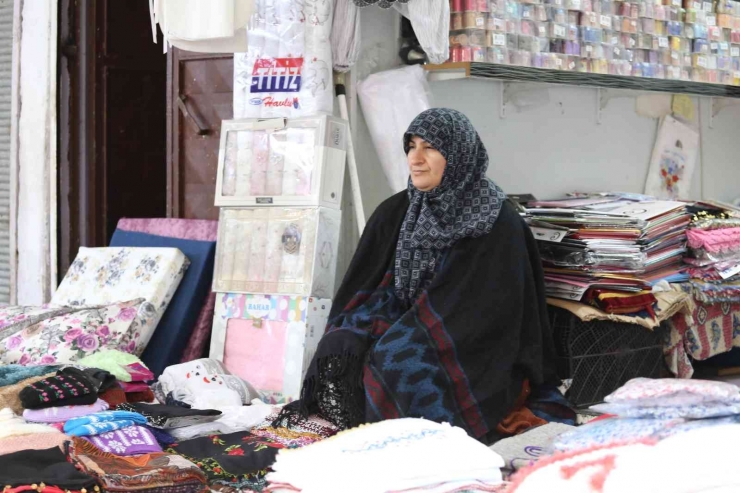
(205, 26)
(345, 35)
(431, 22)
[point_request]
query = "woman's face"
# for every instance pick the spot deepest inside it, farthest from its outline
(426, 164)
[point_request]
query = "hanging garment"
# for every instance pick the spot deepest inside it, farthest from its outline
(205, 26)
(431, 22)
(345, 35)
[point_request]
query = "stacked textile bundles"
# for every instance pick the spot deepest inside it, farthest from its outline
(609, 249)
(714, 256)
(658, 424)
(713, 261)
(410, 455)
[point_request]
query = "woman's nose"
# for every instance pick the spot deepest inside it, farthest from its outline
(415, 157)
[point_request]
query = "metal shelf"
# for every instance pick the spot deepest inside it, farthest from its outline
(451, 71)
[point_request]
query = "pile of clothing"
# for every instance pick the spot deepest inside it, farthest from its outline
(641, 444)
(609, 249)
(655, 408)
(408, 454)
(713, 261)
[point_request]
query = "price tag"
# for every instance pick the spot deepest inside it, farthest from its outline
(572, 65)
(480, 21)
(542, 30)
(559, 31)
(559, 62)
(737, 75)
(724, 46)
(735, 51)
(546, 234)
(696, 6)
(674, 55)
(663, 42)
(713, 46)
(707, 6)
(617, 52)
(632, 42)
(499, 40)
(606, 21)
(575, 4)
(711, 20)
(526, 14)
(730, 271)
(589, 49)
(701, 61)
(676, 3)
(498, 24)
(592, 18)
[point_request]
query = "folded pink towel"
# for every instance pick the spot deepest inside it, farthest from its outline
(63, 413)
(715, 240)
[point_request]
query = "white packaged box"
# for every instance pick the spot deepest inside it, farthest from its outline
(283, 162)
(268, 340)
(277, 251)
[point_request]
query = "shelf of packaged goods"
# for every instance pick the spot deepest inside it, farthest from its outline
(477, 70)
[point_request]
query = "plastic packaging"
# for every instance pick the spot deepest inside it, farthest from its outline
(390, 101)
(294, 162)
(278, 251)
(287, 70)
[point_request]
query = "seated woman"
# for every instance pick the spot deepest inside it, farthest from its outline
(441, 314)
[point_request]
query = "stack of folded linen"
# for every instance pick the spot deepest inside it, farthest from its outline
(655, 409)
(409, 454)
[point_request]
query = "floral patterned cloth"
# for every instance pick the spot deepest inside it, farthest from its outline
(101, 276)
(14, 319)
(73, 336)
(711, 329)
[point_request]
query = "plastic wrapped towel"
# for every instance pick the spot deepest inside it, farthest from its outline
(431, 22)
(287, 69)
(345, 35)
(390, 101)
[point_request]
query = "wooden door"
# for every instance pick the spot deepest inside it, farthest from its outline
(200, 93)
(112, 121)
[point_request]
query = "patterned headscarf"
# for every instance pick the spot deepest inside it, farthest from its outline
(466, 204)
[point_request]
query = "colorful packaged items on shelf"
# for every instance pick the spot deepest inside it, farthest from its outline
(669, 39)
(268, 339)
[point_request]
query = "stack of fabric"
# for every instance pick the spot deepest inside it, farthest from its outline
(609, 249)
(16, 434)
(146, 472)
(655, 409)
(14, 378)
(132, 375)
(713, 261)
(410, 455)
(43, 471)
(241, 460)
(701, 459)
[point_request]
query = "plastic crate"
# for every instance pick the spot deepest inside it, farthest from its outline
(601, 356)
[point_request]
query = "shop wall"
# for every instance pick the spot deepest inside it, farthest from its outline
(556, 145)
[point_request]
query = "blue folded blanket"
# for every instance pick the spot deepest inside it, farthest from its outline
(98, 423)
